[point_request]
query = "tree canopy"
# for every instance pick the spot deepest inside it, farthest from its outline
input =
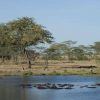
(23, 32)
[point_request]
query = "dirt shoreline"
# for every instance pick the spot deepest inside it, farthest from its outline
(59, 68)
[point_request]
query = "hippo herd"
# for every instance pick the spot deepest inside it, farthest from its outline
(54, 86)
(57, 86)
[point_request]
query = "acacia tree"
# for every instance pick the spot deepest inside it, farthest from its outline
(69, 47)
(54, 52)
(96, 48)
(79, 53)
(24, 32)
(61, 50)
(4, 41)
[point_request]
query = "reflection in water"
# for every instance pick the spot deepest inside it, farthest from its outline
(10, 88)
(12, 93)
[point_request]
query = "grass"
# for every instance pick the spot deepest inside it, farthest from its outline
(57, 68)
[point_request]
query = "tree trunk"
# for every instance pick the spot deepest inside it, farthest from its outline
(29, 62)
(3, 59)
(46, 61)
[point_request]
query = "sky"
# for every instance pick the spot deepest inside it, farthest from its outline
(77, 20)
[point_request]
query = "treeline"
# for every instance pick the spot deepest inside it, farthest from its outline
(18, 35)
(69, 50)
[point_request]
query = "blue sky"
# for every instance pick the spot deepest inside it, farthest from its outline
(77, 20)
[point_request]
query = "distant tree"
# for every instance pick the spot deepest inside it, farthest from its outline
(69, 47)
(54, 52)
(59, 51)
(4, 42)
(88, 51)
(79, 53)
(97, 47)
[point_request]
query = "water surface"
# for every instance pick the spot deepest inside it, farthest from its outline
(10, 88)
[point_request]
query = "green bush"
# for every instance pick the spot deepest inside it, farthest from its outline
(28, 73)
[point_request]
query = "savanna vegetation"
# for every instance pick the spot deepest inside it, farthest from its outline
(20, 50)
(17, 36)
